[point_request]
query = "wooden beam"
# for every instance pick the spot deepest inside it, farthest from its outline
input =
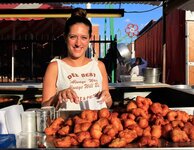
(173, 4)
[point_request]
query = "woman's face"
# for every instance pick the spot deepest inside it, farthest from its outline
(78, 40)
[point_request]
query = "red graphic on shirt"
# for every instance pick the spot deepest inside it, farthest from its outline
(84, 81)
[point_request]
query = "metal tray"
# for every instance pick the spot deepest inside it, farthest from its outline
(40, 140)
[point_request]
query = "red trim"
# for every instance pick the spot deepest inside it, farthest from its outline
(14, 5)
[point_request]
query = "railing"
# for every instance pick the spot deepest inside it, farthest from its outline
(25, 59)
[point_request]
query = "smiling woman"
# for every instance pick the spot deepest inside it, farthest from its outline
(63, 76)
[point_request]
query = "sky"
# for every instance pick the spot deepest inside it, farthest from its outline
(120, 24)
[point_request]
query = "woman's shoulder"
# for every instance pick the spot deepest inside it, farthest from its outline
(100, 64)
(52, 65)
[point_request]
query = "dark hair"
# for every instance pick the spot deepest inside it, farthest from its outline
(79, 12)
(77, 18)
(138, 59)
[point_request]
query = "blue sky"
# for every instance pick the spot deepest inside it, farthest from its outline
(140, 19)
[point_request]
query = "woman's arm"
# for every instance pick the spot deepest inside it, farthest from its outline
(49, 85)
(105, 89)
(50, 94)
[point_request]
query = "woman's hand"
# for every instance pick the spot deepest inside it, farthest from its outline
(105, 96)
(68, 94)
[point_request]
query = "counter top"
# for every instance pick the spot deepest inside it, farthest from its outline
(112, 86)
(137, 85)
(20, 86)
(24, 86)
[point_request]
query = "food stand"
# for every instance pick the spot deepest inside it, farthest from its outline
(158, 92)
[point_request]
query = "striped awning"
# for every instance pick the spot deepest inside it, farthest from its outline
(28, 6)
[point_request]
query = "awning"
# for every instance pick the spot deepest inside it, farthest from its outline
(31, 6)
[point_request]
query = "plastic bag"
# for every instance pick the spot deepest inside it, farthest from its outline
(7, 141)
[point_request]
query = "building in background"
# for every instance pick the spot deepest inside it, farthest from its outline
(179, 46)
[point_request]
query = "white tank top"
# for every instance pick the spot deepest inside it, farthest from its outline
(86, 81)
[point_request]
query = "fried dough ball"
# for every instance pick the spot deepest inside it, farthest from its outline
(103, 122)
(182, 115)
(128, 135)
(64, 130)
(131, 116)
(192, 120)
(148, 141)
(117, 123)
(143, 102)
(161, 121)
(82, 127)
(154, 117)
(78, 120)
(113, 114)
(165, 109)
(69, 122)
(138, 130)
(74, 141)
(104, 113)
(177, 123)
(147, 131)
(178, 115)
(158, 108)
(105, 139)
(166, 130)
(132, 104)
(90, 115)
(171, 115)
(110, 130)
(64, 142)
(128, 122)
(189, 129)
(142, 122)
(118, 143)
(177, 135)
(91, 143)
(124, 116)
(140, 112)
(96, 131)
(83, 135)
(54, 127)
(156, 131)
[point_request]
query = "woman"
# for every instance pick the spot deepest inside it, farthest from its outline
(76, 82)
(138, 66)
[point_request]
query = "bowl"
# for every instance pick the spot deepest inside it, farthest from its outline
(7, 100)
(34, 102)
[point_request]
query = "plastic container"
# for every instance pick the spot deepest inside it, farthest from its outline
(51, 110)
(43, 119)
(28, 121)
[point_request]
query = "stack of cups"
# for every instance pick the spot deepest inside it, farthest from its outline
(51, 109)
(36, 120)
(43, 119)
(27, 136)
(28, 121)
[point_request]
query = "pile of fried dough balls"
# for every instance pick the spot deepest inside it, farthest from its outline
(143, 122)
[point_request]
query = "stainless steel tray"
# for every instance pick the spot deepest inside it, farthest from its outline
(40, 140)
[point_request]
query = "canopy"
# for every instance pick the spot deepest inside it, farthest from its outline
(23, 6)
